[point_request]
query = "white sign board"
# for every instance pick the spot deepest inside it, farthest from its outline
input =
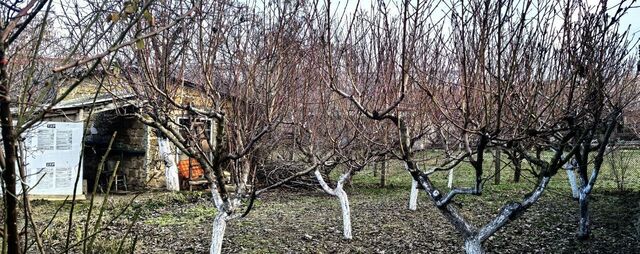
(53, 157)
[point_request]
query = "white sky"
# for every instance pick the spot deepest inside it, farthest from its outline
(632, 17)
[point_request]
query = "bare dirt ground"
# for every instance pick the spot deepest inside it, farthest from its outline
(309, 222)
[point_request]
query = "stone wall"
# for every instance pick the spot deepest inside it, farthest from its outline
(129, 147)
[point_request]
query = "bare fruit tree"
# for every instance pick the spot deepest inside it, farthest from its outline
(45, 55)
(604, 83)
(214, 87)
(326, 136)
(503, 74)
(329, 138)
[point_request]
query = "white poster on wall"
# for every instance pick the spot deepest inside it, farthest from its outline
(52, 160)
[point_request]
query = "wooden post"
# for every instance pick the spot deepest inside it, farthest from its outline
(375, 169)
(496, 163)
(517, 168)
(383, 173)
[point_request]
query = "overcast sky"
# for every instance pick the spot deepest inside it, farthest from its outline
(632, 18)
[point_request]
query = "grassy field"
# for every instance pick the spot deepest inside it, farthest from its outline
(285, 221)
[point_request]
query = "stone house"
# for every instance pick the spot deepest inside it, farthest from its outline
(135, 145)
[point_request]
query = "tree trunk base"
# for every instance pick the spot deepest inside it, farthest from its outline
(473, 246)
(346, 214)
(584, 223)
(583, 236)
(217, 233)
(413, 197)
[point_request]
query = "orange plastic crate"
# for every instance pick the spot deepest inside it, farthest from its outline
(196, 170)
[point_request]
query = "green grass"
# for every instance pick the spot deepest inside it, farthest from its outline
(464, 176)
(187, 215)
(197, 214)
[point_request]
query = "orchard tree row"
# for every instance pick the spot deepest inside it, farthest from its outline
(334, 88)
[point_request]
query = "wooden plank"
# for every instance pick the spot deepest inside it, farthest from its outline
(56, 197)
(196, 182)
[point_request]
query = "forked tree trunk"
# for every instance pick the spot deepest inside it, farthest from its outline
(413, 197)
(587, 184)
(474, 237)
(584, 190)
(217, 233)
(342, 197)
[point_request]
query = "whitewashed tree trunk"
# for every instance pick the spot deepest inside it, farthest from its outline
(450, 180)
(170, 169)
(473, 246)
(572, 181)
(217, 233)
(413, 197)
(342, 197)
(584, 231)
(583, 224)
(346, 212)
(220, 221)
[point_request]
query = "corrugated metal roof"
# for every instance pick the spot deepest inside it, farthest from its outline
(89, 100)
